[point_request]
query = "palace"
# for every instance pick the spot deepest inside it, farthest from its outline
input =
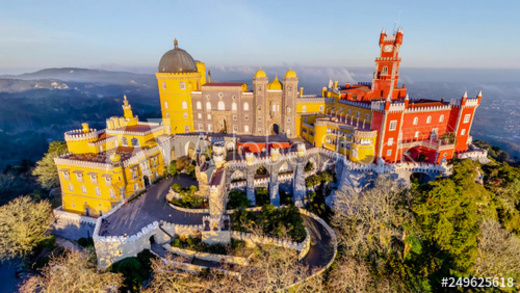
(373, 122)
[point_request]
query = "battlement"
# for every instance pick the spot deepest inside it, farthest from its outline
(80, 134)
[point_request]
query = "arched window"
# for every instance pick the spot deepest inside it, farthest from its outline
(98, 191)
(165, 105)
(199, 105)
(304, 109)
(384, 71)
(164, 85)
(349, 112)
(234, 106)
(135, 142)
(274, 108)
(321, 108)
(221, 106)
(246, 106)
(441, 119)
(186, 129)
(416, 134)
(83, 189)
(259, 108)
(208, 106)
(71, 187)
(112, 193)
(124, 141)
(415, 120)
(288, 109)
(357, 115)
(429, 119)
(367, 117)
(184, 105)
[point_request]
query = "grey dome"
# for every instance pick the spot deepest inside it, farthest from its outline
(177, 61)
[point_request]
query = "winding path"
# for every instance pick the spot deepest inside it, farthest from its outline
(150, 207)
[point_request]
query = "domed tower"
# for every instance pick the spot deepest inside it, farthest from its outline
(260, 101)
(178, 75)
(290, 95)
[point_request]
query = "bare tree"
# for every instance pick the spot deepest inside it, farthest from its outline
(370, 222)
(498, 251)
(75, 272)
(23, 224)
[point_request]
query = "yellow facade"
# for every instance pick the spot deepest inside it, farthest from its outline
(362, 149)
(108, 166)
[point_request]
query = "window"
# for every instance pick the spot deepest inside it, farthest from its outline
(83, 189)
(246, 106)
(100, 148)
(388, 152)
(199, 105)
(274, 108)
(354, 153)
(185, 115)
(209, 116)
(289, 89)
(246, 117)
(246, 128)
(234, 97)
(259, 130)
(124, 141)
(199, 115)
(349, 112)
(165, 105)
(234, 106)
(463, 132)
(184, 105)
(98, 191)
(357, 115)
(71, 188)
(288, 120)
(259, 88)
(429, 120)
(66, 175)
(167, 115)
(221, 106)
(208, 106)
(393, 125)
(108, 181)
(321, 108)
(259, 108)
(234, 117)
(210, 127)
(186, 129)
(416, 134)
(135, 142)
(384, 71)
(415, 121)
(390, 141)
(467, 117)
(79, 176)
(164, 85)
(260, 119)
(220, 95)
(367, 117)
(136, 186)
(304, 109)
(183, 85)
(441, 118)
(93, 179)
(235, 128)
(288, 109)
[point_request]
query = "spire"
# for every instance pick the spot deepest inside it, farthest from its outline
(383, 31)
(479, 94)
(407, 98)
(465, 95)
(389, 98)
(400, 30)
(125, 101)
(175, 43)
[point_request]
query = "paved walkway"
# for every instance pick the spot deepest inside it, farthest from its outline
(149, 207)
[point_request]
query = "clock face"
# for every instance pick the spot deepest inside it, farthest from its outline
(388, 48)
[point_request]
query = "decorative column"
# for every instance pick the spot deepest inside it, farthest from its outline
(250, 178)
(274, 194)
(299, 188)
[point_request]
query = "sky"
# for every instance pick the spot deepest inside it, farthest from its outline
(132, 35)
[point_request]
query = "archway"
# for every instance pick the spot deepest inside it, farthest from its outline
(261, 172)
(222, 125)
(420, 178)
(275, 129)
(152, 240)
(189, 149)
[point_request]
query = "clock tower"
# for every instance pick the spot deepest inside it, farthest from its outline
(386, 72)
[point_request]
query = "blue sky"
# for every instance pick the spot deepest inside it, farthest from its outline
(133, 35)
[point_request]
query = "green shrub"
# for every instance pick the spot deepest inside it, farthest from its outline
(237, 199)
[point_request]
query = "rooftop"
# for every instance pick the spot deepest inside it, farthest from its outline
(223, 84)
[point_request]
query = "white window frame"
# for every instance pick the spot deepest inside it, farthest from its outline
(164, 85)
(221, 106)
(83, 188)
(235, 128)
(71, 187)
(246, 106)
(389, 152)
(98, 190)
(165, 104)
(79, 177)
(467, 118)
(304, 109)
(208, 105)
(463, 132)
(416, 135)
(234, 106)
(429, 120)
(390, 141)
(246, 128)
(321, 108)
(182, 85)
(199, 105)
(184, 105)
(441, 119)
(415, 120)
(392, 126)
(185, 115)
